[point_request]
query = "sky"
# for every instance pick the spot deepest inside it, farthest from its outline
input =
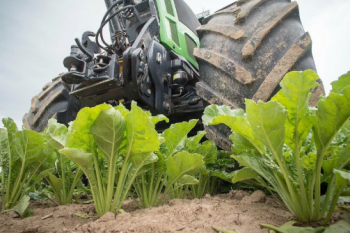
(36, 35)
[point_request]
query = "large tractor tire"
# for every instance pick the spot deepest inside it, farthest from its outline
(245, 51)
(53, 101)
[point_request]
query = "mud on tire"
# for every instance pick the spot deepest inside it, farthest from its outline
(245, 51)
(53, 101)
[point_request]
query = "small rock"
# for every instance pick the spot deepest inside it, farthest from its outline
(207, 196)
(237, 194)
(258, 196)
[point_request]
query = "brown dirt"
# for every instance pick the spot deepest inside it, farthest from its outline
(236, 211)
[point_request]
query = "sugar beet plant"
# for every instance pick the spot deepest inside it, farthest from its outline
(62, 174)
(112, 146)
(21, 154)
(292, 148)
(176, 168)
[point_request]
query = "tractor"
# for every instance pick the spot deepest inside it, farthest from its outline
(168, 61)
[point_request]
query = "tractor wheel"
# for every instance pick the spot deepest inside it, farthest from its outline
(53, 101)
(245, 51)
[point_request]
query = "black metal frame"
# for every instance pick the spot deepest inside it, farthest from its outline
(160, 80)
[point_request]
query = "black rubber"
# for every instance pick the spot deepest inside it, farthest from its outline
(53, 101)
(245, 51)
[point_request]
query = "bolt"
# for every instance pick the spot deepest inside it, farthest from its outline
(159, 58)
(166, 106)
(141, 55)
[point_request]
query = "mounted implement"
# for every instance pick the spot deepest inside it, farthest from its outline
(161, 56)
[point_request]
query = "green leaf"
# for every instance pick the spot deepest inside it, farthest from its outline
(186, 180)
(123, 111)
(21, 207)
(222, 230)
(333, 112)
(209, 152)
(223, 175)
(182, 163)
(293, 229)
(56, 134)
(141, 134)
(175, 137)
(79, 136)
(248, 159)
(295, 92)
(341, 226)
(84, 160)
(156, 119)
(341, 83)
(214, 111)
(244, 174)
(56, 184)
(140, 162)
(240, 143)
(108, 131)
(235, 119)
(309, 161)
(43, 174)
(267, 121)
(193, 142)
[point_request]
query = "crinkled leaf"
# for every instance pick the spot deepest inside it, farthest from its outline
(253, 162)
(329, 165)
(79, 136)
(294, 96)
(160, 165)
(267, 121)
(193, 142)
(341, 83)
(223, 175)
(209, 152)
(182, 163)
(108, 131)
(175, 136)
(342, 179)
(309, 161)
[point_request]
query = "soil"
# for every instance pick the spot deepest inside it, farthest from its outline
(238, 211)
